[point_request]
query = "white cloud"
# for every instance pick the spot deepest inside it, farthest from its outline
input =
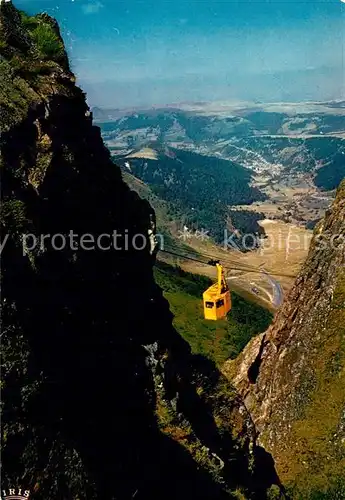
(92, 7)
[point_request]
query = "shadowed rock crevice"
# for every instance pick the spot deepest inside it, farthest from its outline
(254, 369)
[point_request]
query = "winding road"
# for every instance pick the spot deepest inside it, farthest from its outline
(275, 298)
(278, 295)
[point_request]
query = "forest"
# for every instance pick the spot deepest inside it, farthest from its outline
(200, 190)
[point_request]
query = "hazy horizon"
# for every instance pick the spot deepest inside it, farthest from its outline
(129, 53)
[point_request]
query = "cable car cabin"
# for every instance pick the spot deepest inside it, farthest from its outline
(217, 298)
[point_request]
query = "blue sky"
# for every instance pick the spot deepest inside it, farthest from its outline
(131, 52)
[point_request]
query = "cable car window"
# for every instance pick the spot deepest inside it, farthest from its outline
(209, 305)
(220, 303)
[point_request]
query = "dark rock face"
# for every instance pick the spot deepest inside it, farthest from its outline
(291, 378)
(89, 352)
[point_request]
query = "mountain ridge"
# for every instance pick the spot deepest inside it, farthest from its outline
(292, 376)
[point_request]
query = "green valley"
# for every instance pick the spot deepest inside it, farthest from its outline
(219, 340)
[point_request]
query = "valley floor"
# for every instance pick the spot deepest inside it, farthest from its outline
(282, 255)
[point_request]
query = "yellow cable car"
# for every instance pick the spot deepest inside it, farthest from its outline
(217, 298)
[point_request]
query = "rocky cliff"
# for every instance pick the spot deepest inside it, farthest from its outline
(292, 378)
(101, 398)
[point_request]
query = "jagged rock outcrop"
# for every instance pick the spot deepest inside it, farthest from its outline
(292, 377)
(101, 398)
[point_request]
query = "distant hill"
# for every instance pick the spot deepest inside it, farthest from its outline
(222, 120)
(292, 151)
(322, 157)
